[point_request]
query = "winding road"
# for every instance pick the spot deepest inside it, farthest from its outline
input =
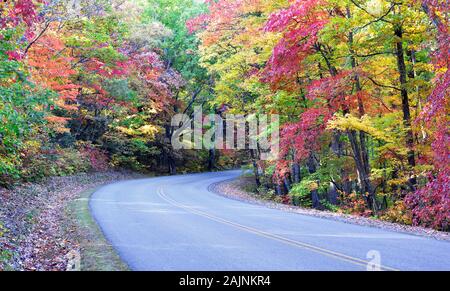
(176, 223)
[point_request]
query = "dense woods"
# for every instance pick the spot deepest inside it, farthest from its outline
(92, 84)
(361, 88)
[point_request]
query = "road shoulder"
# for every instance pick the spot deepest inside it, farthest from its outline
(94, 252)
(234, 189)
(47, 225)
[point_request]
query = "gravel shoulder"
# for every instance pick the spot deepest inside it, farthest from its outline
(233, 189)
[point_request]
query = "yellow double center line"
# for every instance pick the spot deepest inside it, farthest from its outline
(291, 242)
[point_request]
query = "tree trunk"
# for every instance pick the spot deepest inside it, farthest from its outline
(296, 173)
(336, 143)
(172, 166)
(359, 149)
(312, 168)
(333, 194)
(211, 160)
(398, 31)
(363, 175)
(287, 184)
(168, 146)
(278, 190)
(255, 168)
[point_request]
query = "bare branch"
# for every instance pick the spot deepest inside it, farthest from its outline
(382, 85)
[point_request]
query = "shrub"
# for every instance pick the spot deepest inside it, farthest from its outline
(59, 162)
(354, 204)
(127, 162)
(97, 158)
(301, 193)
(398, 213)
(430, 205)
(329, 206)
(71, 161)
(9, 169)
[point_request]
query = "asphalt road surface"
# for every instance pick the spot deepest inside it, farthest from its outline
(175, 223)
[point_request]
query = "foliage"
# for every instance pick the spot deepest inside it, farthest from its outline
(80, 90)
(364, 124)
(350, 81)
(398, 213)
(361, 89)
(301, 193)
(354, 203)
(129, 162)
(54, 163)
(431, 204)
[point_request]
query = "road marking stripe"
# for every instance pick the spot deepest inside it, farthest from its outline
(316, 249)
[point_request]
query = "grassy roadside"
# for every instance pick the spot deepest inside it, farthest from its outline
(95, 251)
(46, 226)
(5, 255)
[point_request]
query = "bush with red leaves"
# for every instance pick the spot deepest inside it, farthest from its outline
(98, 159)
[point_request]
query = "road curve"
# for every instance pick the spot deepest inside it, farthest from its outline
(175, 223)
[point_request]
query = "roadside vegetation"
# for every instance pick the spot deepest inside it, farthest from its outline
(362, 91)
(94, 86)
(45, 225)
(95, 252)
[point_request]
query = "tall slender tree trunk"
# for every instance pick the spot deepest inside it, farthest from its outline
(363, 175)
(336, 143)
(168, 149)
(287, 183)
(255, 168)
(398, 31)
(360, 151)
(296, 172)
(211, 159)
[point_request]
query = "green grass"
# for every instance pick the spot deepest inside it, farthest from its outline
(5, 255)
(95, 251)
